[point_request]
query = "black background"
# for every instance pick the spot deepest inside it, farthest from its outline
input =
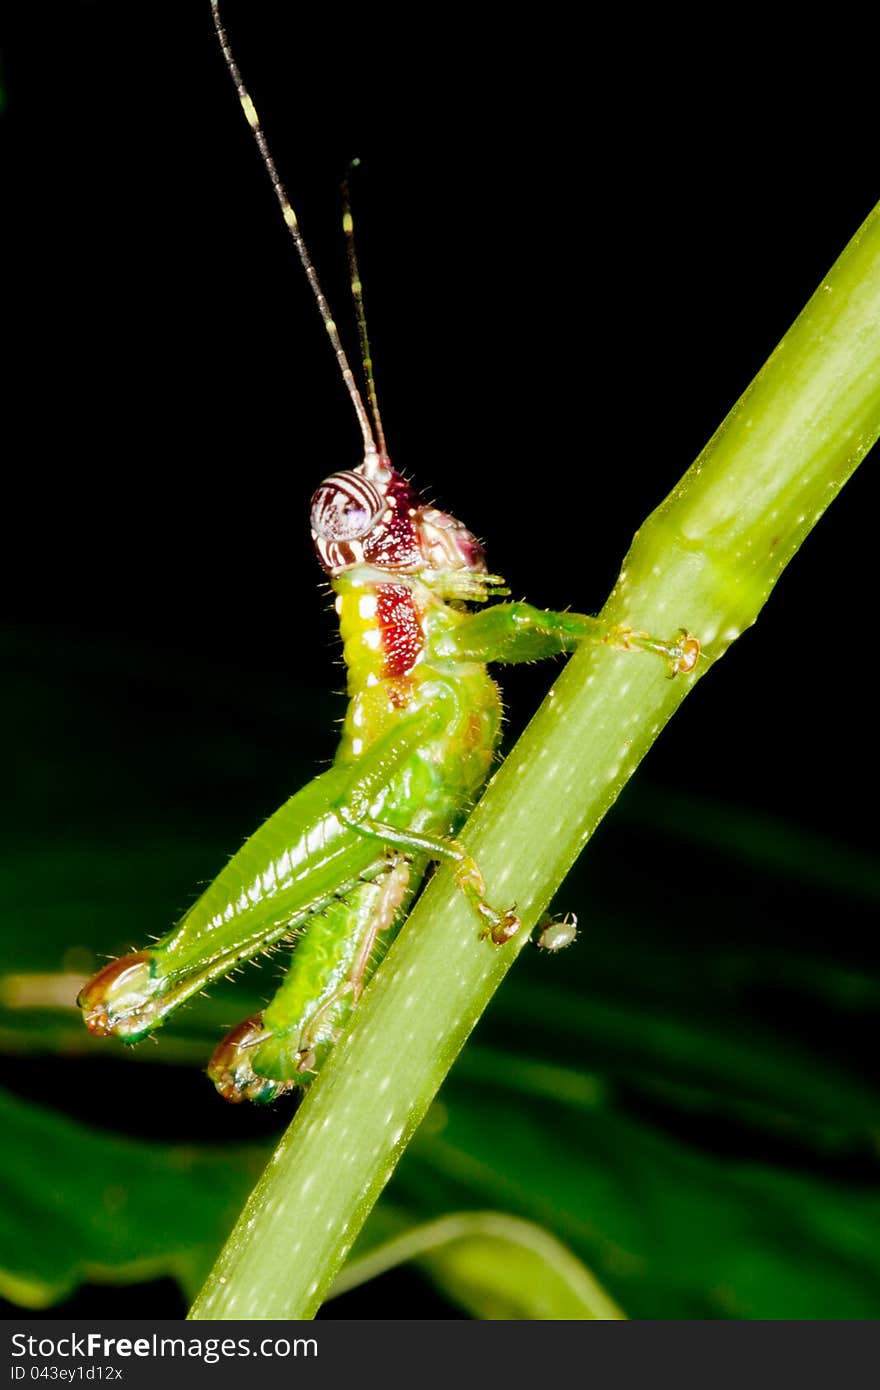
(576, 257)
(570, 280)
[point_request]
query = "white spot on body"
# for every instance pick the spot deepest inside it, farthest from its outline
(367, 604)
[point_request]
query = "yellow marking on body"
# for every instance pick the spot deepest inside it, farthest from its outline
(250, 111)
(290, 217)
(347, 223)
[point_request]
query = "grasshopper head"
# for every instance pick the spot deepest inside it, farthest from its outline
(371, 515)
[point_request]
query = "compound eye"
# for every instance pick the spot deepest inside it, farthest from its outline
(345, 507)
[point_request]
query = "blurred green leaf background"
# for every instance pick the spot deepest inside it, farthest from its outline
(679, 1099)
(678, 1116)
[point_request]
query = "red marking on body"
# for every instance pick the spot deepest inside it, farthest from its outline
(399, 690)
(475, 733)
(402, 637)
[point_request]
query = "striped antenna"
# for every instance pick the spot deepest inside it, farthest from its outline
(371, 458)
(357, 291)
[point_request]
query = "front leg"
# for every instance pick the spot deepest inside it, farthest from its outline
(512, 632)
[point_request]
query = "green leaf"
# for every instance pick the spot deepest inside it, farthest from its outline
(671, 1230)
(88, 1205)
(496, 1266)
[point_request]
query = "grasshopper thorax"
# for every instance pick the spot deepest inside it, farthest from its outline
(371, 515)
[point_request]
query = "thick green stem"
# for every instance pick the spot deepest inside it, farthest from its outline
(706, 560)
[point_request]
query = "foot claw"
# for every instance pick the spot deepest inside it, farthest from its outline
(504, 929)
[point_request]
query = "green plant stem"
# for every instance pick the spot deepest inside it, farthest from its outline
(706, 559)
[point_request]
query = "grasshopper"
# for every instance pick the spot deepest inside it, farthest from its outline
(336, 868)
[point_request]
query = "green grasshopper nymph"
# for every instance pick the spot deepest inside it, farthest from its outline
(335, 870)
